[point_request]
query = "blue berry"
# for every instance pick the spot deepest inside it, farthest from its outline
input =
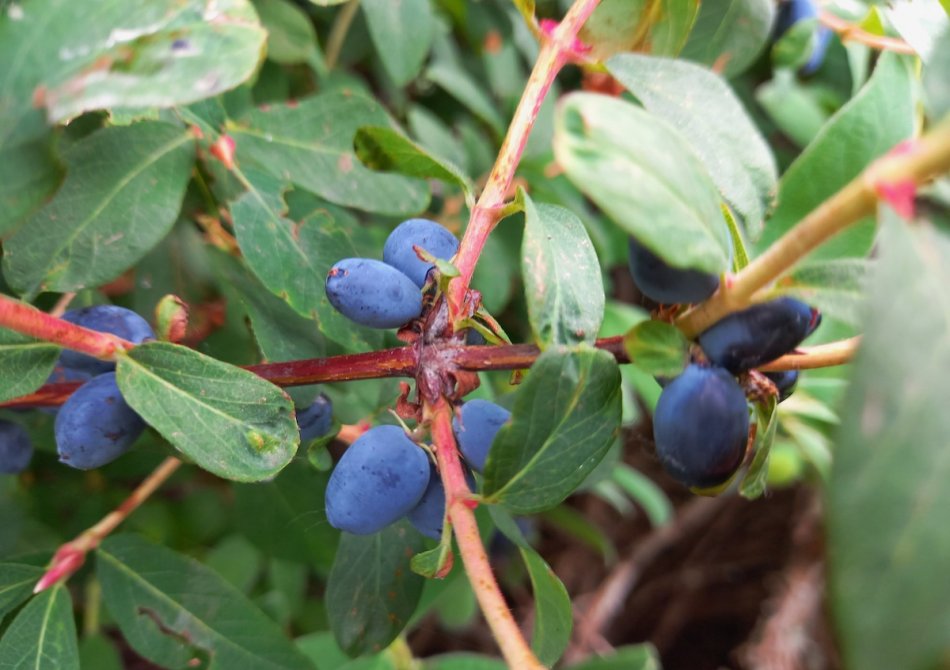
(785, 381)
(747, 339)
(372, 293)
(665, 284)
(791, 12)
(106, 319)
(16, 449)
(701, 426)
(95, 425)
(316, 420)
(380, 478)
(428, 516)
(425, 234)
(475, 428)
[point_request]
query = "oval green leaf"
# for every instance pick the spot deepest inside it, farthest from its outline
(42, 635)
(228, 420)
(657, 348)
(402, 33)
(26, 363)
(644, 175)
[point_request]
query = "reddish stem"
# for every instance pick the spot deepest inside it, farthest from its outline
(460, 507)
(28, 320)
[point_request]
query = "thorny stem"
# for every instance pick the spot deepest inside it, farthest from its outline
(70, 556)
(28, 320)
(460, 507)
(850, 31)
(927, 157)
(554, 54)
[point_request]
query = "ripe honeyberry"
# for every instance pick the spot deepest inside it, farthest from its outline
(16, 449)
(95, 425)
(475, 428)
(665, 284)
(747, 339)
(785, 381)
(380, 478)
(372, 293)
(428, 516)
(315, 421)
(106, 319)
(701, 426)
(425, 234)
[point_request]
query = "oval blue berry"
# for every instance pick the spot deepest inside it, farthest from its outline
(106, 319)
(664, 283)
(425, 234)
(380, 478)
(16, 449)
(372, 293)
(475, 428)
(95, 425)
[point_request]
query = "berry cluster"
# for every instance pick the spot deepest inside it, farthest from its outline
(701, 421)
(384, 476)
(388, 294)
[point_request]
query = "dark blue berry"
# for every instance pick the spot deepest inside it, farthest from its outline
(316, 420)
(701, 426)
(785, 381)
(428, 516)
(106, 319)
(16, 449)
(475, 428)
(380, 478)
(665, 284)
(747, 339)
(95, 425)
(425, 234)
(372, 293)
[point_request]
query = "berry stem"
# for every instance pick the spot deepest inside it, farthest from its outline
(852, 32)
(926, 158)
(70, 556)
(28, 320)
(555, 52)
(459, 501)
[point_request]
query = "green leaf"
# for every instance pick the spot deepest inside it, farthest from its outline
(402, 33)
(461, 661)
(565, 417)
(388, 150)
(310, 143)
(26, 363)
(170, 609)
(372, 592)
(645, 493)
(16, 584)
(291, 37)
(887, 499)
(836, 287)
(460, 85)
(554, 617)
(643, 174)
(285, 517)
(631, 657)
(432, 563)
(563, 287)
(882, 115)
(703, 108)
(729, 34)
(656, 26)
(142, 53)
(228, 420)
(29, 174)
(936, 80)
(922, 24)
(123, 191)
(794, 108)
(657, 348)
(43, 634)
(292, 259)
(755, 478)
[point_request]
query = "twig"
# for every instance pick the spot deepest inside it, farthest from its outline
(850, 31)
(608, 600)
(818, 356)
(554, 54)
(62, 304)
(70, 556)
(921, 161)
(341, 26)
(460, 507)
